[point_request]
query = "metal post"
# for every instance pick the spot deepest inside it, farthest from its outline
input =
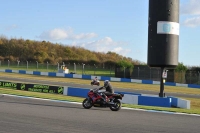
(79, 66)
(8, 63)
(26, 64)
(36, 65)
(75, 67)
(199, 78)
(94, 68)
(0, 63)
(161, 94)
(58, 66)
(150, 73)
(83, 68)
(138, 72)
(18, 63)
(110, 70)
(47, 65)
(124, 72)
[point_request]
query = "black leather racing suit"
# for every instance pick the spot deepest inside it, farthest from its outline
(109, 90)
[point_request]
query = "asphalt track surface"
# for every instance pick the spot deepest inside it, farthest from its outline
(24, 115)
(38, 81)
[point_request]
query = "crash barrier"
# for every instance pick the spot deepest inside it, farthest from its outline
(135, 98)
(54, 74)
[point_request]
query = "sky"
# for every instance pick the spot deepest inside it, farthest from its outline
(119, 26)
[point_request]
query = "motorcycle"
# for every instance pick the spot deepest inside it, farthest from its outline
(96, 99)
(95, 82)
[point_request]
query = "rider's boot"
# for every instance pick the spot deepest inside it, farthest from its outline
(105, 99)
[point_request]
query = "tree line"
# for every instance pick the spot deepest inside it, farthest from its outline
(44, 51)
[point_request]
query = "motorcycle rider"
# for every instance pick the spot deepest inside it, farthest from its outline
(95, 79)
(109, 89)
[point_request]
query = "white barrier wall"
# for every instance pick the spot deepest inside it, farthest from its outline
(65, 91)
(130, 99)
(77, 76)
(181, 103)
(44, 73)
(60, 74)
(136, 81)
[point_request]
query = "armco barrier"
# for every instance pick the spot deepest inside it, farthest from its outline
(135, 98)
(54, 74)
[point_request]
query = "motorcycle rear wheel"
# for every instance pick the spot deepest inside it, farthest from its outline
(87, 103)
(116, 106)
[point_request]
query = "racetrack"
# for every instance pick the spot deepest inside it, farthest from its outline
(19, 115)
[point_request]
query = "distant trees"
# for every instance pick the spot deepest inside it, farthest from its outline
(180, 67)
(123, 63)
(44, 51)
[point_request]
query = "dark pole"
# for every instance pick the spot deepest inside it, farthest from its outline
(163, 36)
(161, 94)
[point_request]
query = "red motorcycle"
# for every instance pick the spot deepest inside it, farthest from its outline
(93, 82)
(96, 99)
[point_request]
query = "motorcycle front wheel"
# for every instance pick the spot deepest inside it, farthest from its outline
(87, 103)
(116, 106)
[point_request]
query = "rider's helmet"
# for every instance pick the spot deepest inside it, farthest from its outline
(106, 83)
